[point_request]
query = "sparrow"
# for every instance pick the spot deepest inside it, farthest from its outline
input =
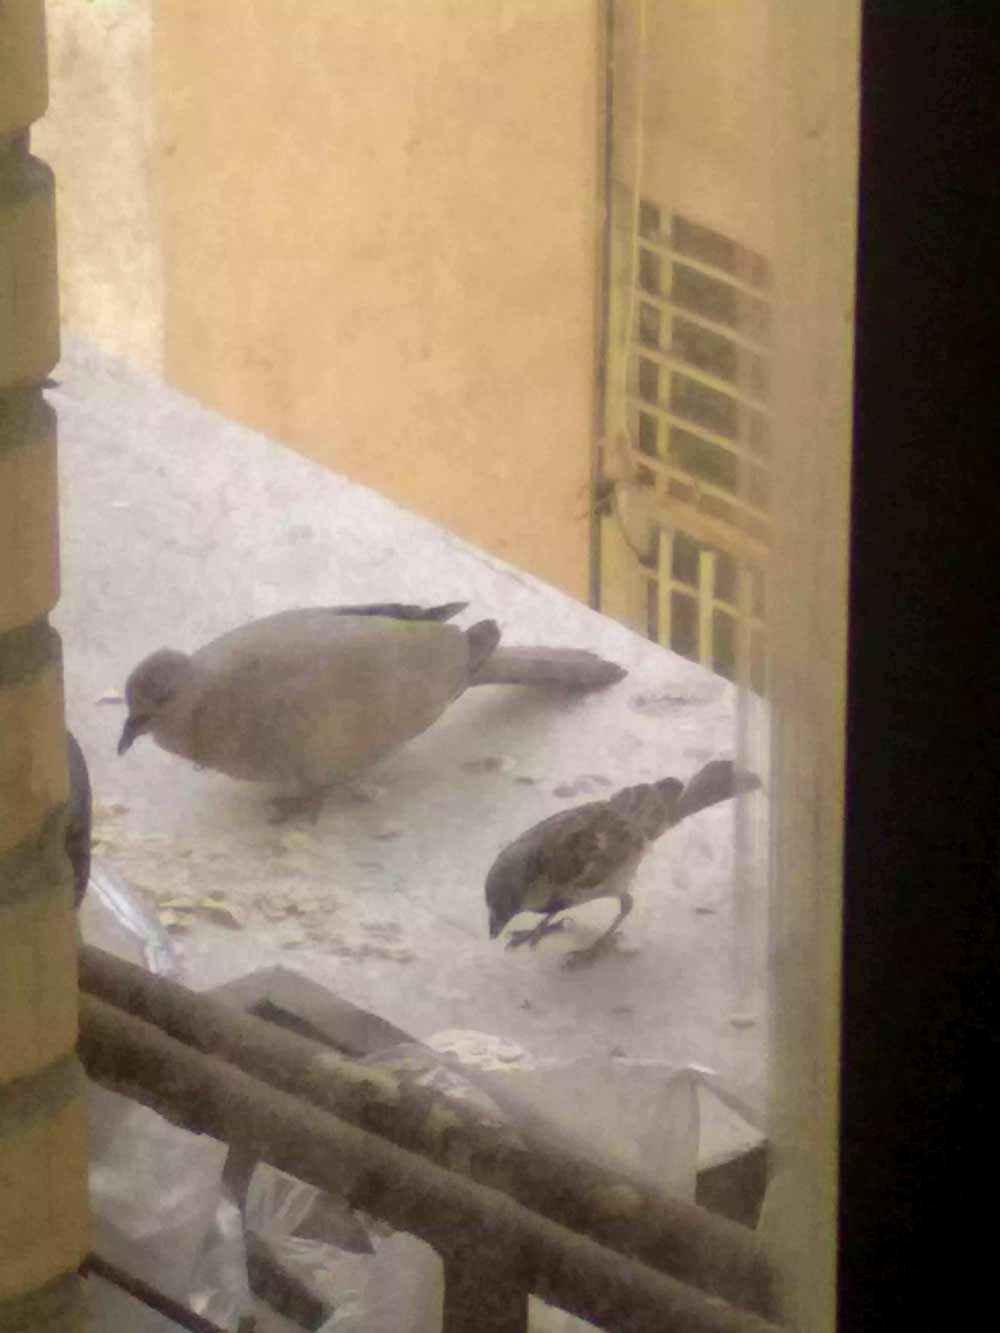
(594, 851)
(311, 697)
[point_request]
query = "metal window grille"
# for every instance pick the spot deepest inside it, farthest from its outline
(683, 492)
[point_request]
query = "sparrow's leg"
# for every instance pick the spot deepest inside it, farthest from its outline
(582, 957)
(544, 927)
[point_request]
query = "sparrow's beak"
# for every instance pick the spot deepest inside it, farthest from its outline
(496, 925)
(134, 727)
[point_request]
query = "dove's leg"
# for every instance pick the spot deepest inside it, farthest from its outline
(544, 927)
(308, 803)
(581, 957)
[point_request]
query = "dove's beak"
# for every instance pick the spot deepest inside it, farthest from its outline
(133, 728)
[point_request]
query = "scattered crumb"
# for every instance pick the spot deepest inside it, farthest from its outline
(297, 839)
(363, 950)
(588, 784)
(110, 697)
(705, 910)
(655, 704)
(224, 913)
(388, 831)
(670, 697)
(274, 911)
(175, 920)
(365, 792)
(178, 904)
(525, 781)
(388, 930)
(110, 810)
(481, 1049)
(491, 763)
(743, 1021)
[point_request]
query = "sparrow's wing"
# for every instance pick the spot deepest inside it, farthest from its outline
(583, 848)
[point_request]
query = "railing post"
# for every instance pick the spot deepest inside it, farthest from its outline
(476, 1301)
(43, 1130)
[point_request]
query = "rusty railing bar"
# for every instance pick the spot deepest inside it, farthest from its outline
(454, 1214)
(671, 1235)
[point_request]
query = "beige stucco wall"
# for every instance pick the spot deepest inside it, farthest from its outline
(97, 137)
(706, 95)
(369, 230)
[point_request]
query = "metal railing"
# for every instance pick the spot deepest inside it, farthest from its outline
(510, 1213)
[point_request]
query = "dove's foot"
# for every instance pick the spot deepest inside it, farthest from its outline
(306, 804)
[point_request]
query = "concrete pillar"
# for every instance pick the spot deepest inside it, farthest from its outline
(43, 1211)
(815, 65)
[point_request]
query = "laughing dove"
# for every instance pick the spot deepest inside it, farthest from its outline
(309, 698)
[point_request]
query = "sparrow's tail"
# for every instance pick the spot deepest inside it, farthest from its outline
(718, 781)
(552, 668)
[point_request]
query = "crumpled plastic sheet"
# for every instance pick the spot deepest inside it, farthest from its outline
(160, 1210)
(155, 1189)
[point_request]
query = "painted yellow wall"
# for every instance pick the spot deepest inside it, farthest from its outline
(97, 137)
(368, 230)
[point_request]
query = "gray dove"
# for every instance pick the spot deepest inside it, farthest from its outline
(594, 851)
(312, 697)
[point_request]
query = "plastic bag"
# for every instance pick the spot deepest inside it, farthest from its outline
(638, 1114)
(398, 1289)
(160, 1210)
(114, 919)
(155, 1189)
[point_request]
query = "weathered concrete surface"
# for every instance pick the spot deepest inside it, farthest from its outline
(178, 525)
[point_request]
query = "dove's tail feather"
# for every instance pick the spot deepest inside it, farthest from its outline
(482, 639)
(402, 610)
(718, 781)
(553, 668)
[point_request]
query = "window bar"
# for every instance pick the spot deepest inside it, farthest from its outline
(665, 586)
(706, 605)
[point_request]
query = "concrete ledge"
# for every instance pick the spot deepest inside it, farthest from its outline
(178, 524)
